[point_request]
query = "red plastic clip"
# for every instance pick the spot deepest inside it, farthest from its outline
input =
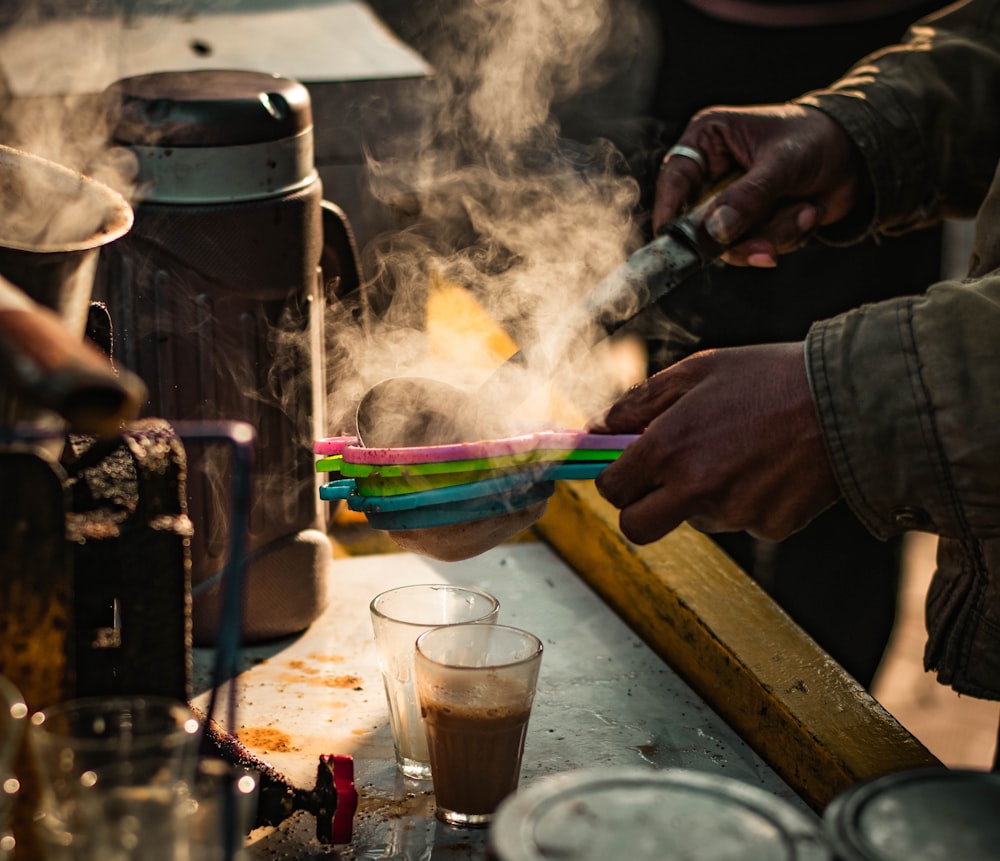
(347, 798)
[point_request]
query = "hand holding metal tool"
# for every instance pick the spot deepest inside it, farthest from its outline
(418, 411)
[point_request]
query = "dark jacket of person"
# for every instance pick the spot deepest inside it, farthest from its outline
(908, 389)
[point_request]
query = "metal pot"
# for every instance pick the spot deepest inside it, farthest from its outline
(53, 223)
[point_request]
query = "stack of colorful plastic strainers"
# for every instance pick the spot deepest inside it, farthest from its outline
(442, 485)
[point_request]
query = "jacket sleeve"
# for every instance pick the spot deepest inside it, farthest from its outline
(925, 115)
(907, 390)
(907, 393)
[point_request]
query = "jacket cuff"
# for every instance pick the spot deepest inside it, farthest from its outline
(896, 166)
(861, 366)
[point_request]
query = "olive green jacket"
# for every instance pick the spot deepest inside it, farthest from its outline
(908, 390)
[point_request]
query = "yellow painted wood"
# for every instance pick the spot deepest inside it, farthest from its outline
(809, 720)
(459, 327)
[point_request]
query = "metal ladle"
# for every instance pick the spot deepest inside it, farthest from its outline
(419, 411)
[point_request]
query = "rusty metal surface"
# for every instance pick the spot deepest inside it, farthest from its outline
(94, 595)
(604, 698)
(36, 569)
(128, 528)
(93, 590)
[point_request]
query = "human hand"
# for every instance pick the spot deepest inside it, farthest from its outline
(732, 442)
(799, 170)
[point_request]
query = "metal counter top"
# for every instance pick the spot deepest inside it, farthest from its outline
(604, 698)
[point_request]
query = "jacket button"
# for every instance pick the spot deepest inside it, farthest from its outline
(908, 517)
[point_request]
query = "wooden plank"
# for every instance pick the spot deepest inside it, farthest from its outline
(808, 719)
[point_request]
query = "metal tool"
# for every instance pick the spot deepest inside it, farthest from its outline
(416, 411)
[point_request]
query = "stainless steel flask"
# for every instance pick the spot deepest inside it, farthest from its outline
(215, 303)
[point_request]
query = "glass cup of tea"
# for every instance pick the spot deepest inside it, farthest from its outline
(399, 616)
(114, 777)
(476, 685)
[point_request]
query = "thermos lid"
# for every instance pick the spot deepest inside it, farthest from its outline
(651, 814)
(917, 815)
(214, 135)
(208, 107)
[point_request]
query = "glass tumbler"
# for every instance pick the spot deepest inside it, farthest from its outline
(13, 719)
(115, 774)
(476, 685)
(399, 616)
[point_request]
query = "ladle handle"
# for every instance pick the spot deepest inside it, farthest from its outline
(55, 370)
(647, 276)
(656, 269)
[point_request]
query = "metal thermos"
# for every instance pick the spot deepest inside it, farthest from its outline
(215, 303)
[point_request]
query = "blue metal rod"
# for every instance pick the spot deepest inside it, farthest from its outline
(240, 437)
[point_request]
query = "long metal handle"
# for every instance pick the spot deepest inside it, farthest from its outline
(50, 367)
(657, 268)
(648, 275)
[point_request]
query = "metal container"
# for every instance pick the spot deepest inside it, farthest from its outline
(53, 223)
(215, 304)
(651, 815)
(919, 815)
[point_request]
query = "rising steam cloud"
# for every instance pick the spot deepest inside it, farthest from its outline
(492, 195)
(495, 198)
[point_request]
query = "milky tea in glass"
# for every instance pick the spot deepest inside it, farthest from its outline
(476, 685)
(399, 616)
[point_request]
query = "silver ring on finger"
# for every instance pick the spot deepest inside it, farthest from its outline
(687, 152)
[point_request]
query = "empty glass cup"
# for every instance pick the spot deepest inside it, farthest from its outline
(115, 774)
(13, 714)
(399, 616)
(223, 811)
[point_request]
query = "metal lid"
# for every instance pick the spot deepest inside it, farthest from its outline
(917, 816)
(641, 814)
(212, 135)
(208, 107)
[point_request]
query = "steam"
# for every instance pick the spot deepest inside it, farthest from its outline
(495, 199)
(62, 120)
(491, 195)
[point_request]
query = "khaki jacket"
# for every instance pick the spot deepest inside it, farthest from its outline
(908, 390)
